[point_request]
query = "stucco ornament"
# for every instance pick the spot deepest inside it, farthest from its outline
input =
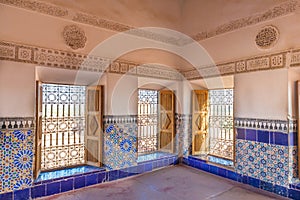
(74, 36)
(267, 37)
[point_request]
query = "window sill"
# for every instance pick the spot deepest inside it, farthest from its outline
(220, 162)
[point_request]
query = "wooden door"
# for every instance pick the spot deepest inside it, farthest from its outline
(166, 121)
(200, 122)
(94, 130)
(38, 129)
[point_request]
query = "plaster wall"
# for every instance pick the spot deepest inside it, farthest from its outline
(17, 86)
(262, 95)
(293, 77)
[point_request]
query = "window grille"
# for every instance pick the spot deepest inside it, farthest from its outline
(221, 123)
(147, 120)
(63, 126)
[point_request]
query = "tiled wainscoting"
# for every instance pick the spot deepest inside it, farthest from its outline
(120, 141)
(16, 153)
(120, 159)
(55, 186)
(290, 192)
(267, 150)
(266, 157)
(183, 138)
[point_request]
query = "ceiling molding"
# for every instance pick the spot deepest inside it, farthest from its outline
(282, 9)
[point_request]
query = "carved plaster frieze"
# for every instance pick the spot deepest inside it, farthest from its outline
(100, 22)
(295, 58)
(76, 61)
(38, 6)
(70, 60)
(267, 62)
(277, 11)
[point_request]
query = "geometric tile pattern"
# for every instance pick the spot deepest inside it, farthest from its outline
(293, 163)
(292, 191)
(120, 145)
(88, 178)
(267, 162)
(16, 153)
(183, 138)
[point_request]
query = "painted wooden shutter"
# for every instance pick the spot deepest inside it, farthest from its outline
(166, 119)
(200, 122)
(94, 131)
(38, 138)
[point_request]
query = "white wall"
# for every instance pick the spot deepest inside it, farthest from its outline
(262, 94)
(214, 83)
(17, 89)
(121, 94)
(293, 76)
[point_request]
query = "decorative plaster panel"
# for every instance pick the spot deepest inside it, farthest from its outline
(267, 37)
(74, 36)
(258, 64)
(295, 58)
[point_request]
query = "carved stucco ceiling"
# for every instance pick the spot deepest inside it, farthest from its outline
(188, 16)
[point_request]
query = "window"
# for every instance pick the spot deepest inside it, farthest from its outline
(213, 123)
(221, 135)
(147, 120)
(63, 126)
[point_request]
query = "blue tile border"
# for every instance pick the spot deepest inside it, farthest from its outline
(268, 137)
(56, 186)
(38, 191)
(22, 194)
(7, 196)
(39, 181)
(292, 192)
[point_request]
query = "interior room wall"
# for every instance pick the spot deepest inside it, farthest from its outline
(121, 94)
(262, 95)
(293, 77)
(17, 86)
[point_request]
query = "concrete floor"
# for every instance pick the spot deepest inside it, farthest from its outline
(176, 182)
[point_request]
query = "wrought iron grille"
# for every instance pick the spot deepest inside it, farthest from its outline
(221, 123)
(147, 120)
(63, 126)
